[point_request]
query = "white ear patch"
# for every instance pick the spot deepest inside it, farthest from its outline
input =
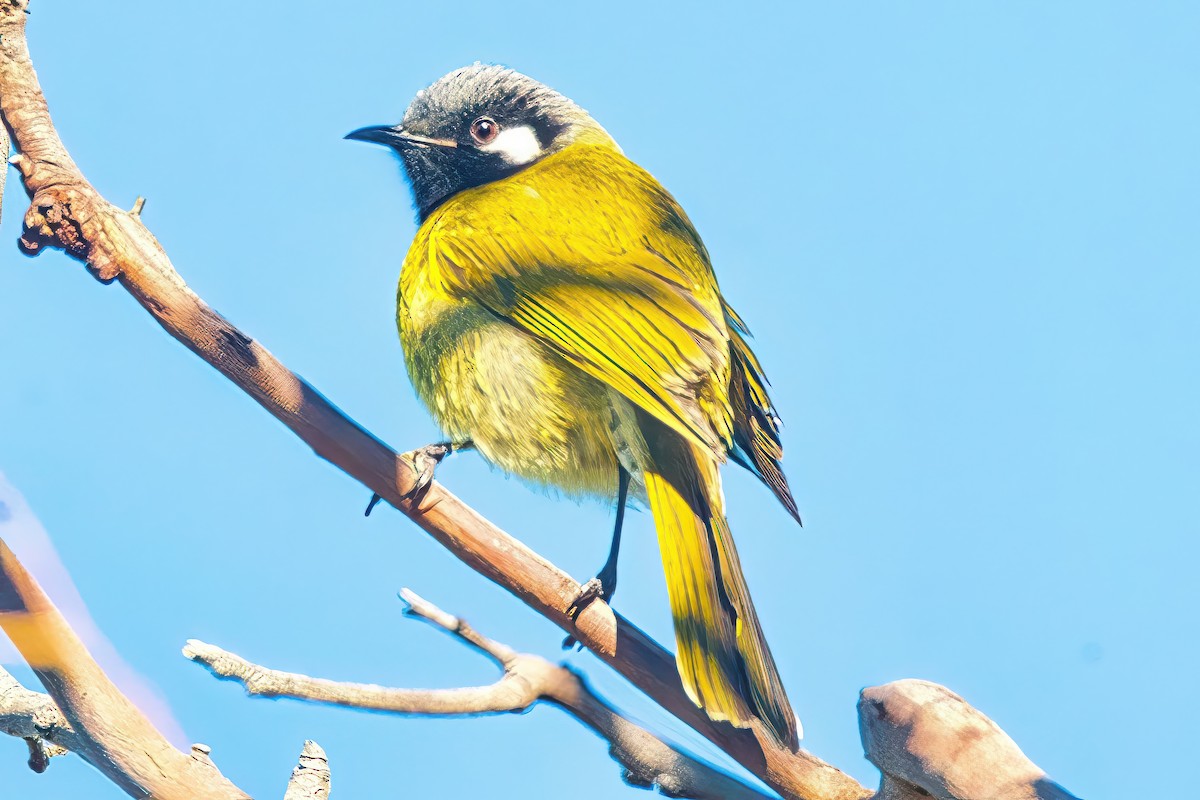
(515, 145)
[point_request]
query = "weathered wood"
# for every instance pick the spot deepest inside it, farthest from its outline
(109, 730)
(927, 741)
(646, 760)
(310, 779)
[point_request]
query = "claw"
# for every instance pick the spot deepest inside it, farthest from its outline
(424, 462)
(593, 590)
(590, 591)
(375, 498)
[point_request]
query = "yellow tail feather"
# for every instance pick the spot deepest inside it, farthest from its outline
(723, 658)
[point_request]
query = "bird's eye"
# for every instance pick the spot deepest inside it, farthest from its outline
(484, 130)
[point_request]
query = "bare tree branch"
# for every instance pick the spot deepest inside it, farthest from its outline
(99, 724)
(310, 779)
(508, 694)
(67, 212)
(647, 761)
(109, 732)
(32, 716)
(928, 741)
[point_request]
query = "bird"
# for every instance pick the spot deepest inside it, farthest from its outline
(559, 314)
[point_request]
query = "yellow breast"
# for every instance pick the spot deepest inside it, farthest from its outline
(525, 408)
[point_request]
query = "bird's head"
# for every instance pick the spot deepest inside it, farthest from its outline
(476, 125)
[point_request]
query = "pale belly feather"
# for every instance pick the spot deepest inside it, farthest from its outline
(527, 410)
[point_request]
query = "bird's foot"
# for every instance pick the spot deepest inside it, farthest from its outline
(424, 461)
(601, 587)
(595, 589)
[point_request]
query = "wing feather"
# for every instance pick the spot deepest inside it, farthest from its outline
(627, 294)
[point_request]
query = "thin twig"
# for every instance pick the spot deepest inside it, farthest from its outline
(32, 716)
(503, 696)
(646, 760)
(311, 778)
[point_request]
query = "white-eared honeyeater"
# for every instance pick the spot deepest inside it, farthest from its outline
(559, 314)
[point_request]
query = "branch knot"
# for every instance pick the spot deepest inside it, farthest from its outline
(66, 217)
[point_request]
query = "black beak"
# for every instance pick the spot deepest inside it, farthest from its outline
(395, 136)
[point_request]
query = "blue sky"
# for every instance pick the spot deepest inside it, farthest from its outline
(964, 236)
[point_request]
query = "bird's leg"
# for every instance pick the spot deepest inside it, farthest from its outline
(424, 462)
(604, 585)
